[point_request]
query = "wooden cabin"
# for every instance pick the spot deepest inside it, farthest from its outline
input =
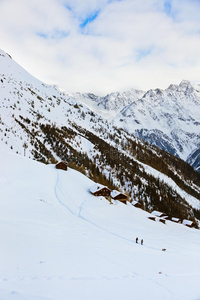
(188, 223)
(136, 204)
(162, 220)
(116, 195)
(159, 214)
(152, 218)
(62, 165)
(176, 220)
(100, 190)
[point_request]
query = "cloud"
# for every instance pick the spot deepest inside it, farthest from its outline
(102, 45)
(55, 34)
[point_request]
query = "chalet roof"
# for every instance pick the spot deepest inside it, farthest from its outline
(97, 187)
(175, 219)
(157, 213)
(134, 202)
(187, 222)
(62, 165)
(116, 193)
(152, 218)
(62, 162)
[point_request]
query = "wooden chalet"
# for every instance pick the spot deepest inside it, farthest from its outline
(116, 195)
(100, 190)
(162, 220)
(159, 214)
(176, 220)
(62, 165)
(188, 223)
(153, 218)
(136, 204)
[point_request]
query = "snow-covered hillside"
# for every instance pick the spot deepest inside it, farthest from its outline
(25, 97)
(60, 242)
(42, 123)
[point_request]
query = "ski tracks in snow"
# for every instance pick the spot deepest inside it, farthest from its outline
(80, 216)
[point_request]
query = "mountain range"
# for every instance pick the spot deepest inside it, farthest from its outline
(104, 137)
(168, 119)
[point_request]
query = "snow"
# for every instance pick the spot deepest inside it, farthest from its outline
(58, 241)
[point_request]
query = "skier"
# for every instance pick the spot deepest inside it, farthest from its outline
(141, 241)
(136, 240)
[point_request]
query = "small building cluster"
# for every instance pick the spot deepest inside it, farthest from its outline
(101, 190)
(161, 217)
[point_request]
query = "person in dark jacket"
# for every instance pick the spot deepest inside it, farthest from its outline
(136, 240)
(141, 241)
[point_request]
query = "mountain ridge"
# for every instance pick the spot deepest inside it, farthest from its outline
(167, 118)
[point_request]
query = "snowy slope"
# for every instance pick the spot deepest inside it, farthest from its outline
(22, 95)
(60, 242)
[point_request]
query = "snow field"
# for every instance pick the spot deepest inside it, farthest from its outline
(60, 242)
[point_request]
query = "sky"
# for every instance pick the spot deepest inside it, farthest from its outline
(104, 46)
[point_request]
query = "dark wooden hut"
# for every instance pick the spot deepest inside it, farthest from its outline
(136, 204)
(62, 165)
(188, 223)
(159, 214)
(162, 220)
(176, 220)
(152, 218)
(116, 195)
(100, 190)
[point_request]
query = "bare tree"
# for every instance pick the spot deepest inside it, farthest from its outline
(25, 146)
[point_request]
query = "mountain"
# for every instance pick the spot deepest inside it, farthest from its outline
(42, 123)
(168, 119)
(58, 241)
(110, 105)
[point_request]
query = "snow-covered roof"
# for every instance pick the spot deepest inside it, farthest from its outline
(62, 162)
(97, 187)
(157, 213)
(187, 222)
(175, 219)
(134, 202)
(115, 193)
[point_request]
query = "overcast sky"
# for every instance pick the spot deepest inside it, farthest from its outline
(102, 46)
